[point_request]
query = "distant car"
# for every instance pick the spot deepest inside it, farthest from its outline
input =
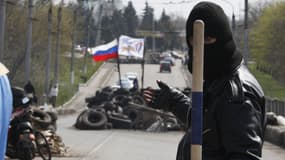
(131, 75)
(165, 66)
(169, 59)
(125, 82)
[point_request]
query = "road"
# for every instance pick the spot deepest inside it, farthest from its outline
(127, 144)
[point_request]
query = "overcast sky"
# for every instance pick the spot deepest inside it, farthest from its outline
(183, 7)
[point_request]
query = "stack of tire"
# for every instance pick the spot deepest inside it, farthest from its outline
(109, 109)
(44, 120)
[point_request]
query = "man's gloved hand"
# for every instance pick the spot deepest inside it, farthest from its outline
(159, 98)
(169, 99)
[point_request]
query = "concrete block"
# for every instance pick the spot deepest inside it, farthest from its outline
(275, 134)
(283, 139)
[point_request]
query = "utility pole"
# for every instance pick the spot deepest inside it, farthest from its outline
(2, 27)
(47, 78)
(246, 51)
(73, 47)
(153, 37)
(98, 36)
(233, 16)
(57, 49)
(29, 42)
(88, 20)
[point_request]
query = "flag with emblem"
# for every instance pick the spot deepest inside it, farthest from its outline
(129, 46)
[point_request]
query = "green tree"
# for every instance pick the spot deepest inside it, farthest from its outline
(267, 41)
(131, 19)
(171, 28)
(148, 18)
(164, 27)
(118, 26)
(147, 22)
(107, 32)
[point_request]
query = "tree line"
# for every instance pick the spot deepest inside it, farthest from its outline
(266, 36)
(127, 22)
(124, 21)
(267, 40)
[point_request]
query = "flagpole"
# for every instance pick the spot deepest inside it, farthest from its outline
(119, 70)
(197, 90)
(142, 78)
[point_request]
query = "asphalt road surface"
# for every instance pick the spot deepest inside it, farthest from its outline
(127, 144)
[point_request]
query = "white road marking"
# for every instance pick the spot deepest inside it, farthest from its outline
(99, 146)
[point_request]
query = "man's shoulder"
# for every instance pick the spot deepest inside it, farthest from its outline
(249, 82)
(234, 90)
(243, 85)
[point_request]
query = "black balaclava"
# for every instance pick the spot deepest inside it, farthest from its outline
(220, 58)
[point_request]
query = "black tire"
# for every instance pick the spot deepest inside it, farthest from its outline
(27, 154)
(103, 96)
(121, 91)
(94, 106)
(137, 99)
(109, 106)
(89, 99)
(172, 124)
(41, 118)
(136, 116)
(121, 100)
(53, 116)
(42, 145)
(25, 150)
(52, 127)
(78, 124)
(107, 89)
(120, 123)
(132, 114)
(94, 120)
(101, 109)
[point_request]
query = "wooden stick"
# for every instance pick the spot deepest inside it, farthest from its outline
(197, 90)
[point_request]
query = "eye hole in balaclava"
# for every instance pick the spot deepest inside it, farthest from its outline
(220, 57)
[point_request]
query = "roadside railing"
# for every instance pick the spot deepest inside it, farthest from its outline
(274, 105)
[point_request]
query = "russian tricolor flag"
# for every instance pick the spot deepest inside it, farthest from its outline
(106, 51)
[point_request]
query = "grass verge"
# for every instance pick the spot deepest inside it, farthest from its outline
(271, 87)
(66, 89)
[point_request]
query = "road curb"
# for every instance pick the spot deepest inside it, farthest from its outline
(64, 109)
(283, 139)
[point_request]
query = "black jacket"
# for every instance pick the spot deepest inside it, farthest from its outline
(233, 120)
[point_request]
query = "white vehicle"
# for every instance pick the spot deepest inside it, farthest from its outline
(125, 82)
(131, 76)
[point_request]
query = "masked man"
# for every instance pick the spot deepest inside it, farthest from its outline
(233, 101)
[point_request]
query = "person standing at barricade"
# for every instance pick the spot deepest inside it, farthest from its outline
(233, 101)
(53, 95)
(5, 108)
(30, 92)
(136, 84)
